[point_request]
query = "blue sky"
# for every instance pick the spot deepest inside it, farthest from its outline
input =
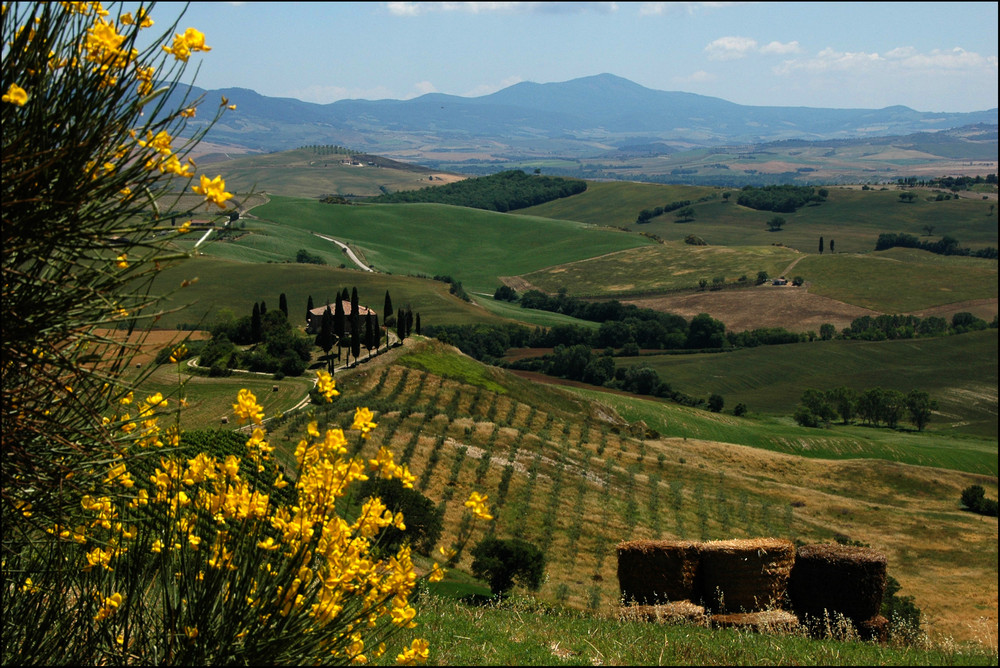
(931, 56)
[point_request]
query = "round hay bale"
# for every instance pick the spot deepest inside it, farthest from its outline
(766, 621)
(746, 575)
(657, 571)
(838, 579)
(678, 612)
(875, 629)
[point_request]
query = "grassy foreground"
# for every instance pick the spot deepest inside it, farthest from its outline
(528, 634)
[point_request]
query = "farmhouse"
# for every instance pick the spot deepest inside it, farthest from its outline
(780, 281)
(315, 316)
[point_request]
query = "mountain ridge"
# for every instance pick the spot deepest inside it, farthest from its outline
(575, 118)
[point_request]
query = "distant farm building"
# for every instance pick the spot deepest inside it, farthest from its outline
(780, 281)
(315, 316)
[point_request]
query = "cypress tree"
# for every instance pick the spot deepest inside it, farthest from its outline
(339, 324)
(309, 307)
(387, 309)
(400, 326)
(416, 326)
(376, 332)
(325, 338)
(255, 324)
(263, 308)
(283, 304)
(369, 334)
(355, 338)
(821, 245)
(409, 322)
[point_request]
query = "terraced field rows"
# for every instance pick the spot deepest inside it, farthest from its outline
(574, 487)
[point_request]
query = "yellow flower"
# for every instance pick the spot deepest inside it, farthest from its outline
(326, 385)
(178, 353)
(141, 19)
(477, 504)
(437, 574)
(191, 40)
(189, 112)
(362, 421)
(214, 190)
(185, 228)
(16, 95)
(247, 407)
(109, 606)
(417, 652)
(122, 261)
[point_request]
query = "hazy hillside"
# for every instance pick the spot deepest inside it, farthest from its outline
(577, 118)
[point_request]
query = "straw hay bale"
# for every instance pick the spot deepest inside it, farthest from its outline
(668, 613)
(838, 579)
(745, 575)
(766, 621)
(657, 571)
(876, 628)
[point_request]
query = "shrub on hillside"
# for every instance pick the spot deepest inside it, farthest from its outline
(501, 562)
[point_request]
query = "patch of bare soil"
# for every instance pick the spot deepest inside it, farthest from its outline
(793, 308)
(157, 339)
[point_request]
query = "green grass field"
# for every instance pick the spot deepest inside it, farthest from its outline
(899, 280)
(473, 246)
(852, 218)
(959, 371)
(304, 173)
(661, 268)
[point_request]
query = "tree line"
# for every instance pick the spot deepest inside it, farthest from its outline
(780, 198)
(504, 191)
(944, 246)
(875, 407)
(275, 346)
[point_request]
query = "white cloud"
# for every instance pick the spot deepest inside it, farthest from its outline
(673, 8)
(781, 49)
(730, 48)
(327, 94)
(701, 76)
(901, 58)
(486, 89)
(418, 8)
(421, 88)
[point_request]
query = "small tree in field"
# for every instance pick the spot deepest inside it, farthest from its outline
(775, 224)
(501, 562)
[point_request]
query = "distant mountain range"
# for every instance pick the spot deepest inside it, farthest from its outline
(582, 117)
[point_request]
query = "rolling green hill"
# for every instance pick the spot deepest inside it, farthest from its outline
(473, 246)
(853, 218)
(959, 371)
(308, 172)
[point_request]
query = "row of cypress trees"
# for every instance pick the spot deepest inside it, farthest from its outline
(345, 329)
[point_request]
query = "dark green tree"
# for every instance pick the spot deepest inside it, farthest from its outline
(775, 224)
(283, 304)
(831, 246)
(416, 324)
(263, 308)
(387, 310)
(821, 245)
(920, 405)
(685, 214)
(827, 331)
(400, 325)
(716, 403)
(256, 330)
(704, 331)
(409, 321)
(424, 520)
(325, 338)
(309, 307)
(339, 324)
(501, 562)
(369, 334)
(356, 338)
(845, 402)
